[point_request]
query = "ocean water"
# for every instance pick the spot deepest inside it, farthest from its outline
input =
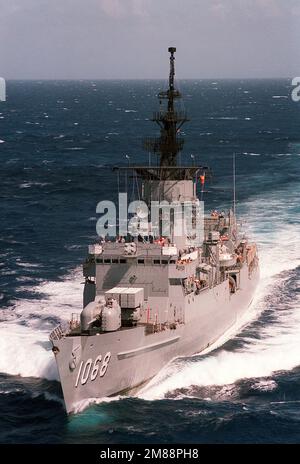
(55, 140)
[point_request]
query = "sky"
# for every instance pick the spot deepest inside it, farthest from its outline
(128, 39)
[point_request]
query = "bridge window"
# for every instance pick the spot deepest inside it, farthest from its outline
(156, 261)
(115, 261)
(141, 261)
(107, 261)
(99, 260)
(123, 261)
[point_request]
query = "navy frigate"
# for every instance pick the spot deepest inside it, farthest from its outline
(151, 298)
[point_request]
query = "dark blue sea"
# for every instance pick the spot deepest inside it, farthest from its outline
(56, 140)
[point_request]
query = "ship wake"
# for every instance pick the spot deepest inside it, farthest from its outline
(24, 328)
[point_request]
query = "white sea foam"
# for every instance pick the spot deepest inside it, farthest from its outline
(25, 264)
(251, 154)
(10, 391)
(229, 118)
(24, 344)
(33, 184)
(265, 385)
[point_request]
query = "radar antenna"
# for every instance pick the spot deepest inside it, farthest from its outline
(169, 144)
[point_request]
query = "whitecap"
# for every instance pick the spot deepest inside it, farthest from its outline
(11, 391)
(265, 385)
(60, 136)
(251, 154)
(73, 247)
(33, 184)
(26, 264)
(228, 117)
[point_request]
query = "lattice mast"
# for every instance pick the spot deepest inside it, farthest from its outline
(169, 144)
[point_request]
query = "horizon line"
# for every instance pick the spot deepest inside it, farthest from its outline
(145, 78)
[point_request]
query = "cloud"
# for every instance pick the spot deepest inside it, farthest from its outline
(129, 38)
(252, 8)
(121, 8)
(113, 8)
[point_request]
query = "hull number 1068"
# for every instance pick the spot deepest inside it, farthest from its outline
(91, 370)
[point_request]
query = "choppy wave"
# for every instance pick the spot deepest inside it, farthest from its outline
(24, 336)
(82, 405)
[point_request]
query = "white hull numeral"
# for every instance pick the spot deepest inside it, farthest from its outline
(86, 371)
(96, 367)
(89, 370)
(79, 372)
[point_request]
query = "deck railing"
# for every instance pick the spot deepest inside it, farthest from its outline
(64, 328)
(57, 333)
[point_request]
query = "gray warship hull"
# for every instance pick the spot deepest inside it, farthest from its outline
(136, 357)
(171, 285)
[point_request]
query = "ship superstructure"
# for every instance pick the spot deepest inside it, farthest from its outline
(152, 297)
